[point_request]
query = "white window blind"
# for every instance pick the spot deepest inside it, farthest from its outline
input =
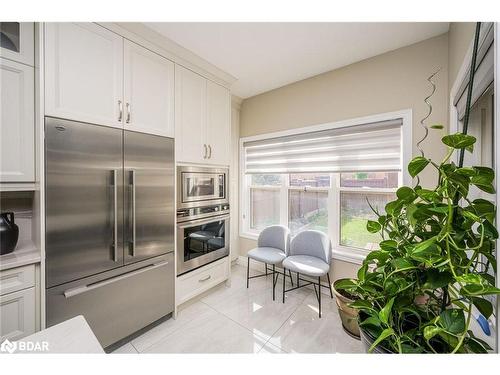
(363, 148)
(484, 74)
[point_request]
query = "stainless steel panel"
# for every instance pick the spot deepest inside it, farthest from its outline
(184, 265)
(84, 207)
(183, 172)
(116, 305)
(149, 198)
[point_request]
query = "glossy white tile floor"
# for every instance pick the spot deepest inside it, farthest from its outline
(239, 320)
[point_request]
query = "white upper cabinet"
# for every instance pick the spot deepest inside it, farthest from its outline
(218, 124)
(190, 116)
(17, 122)
(84, 73)
(148, 91)
(17, 42)
(202, 119)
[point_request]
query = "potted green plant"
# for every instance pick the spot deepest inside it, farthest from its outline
(417, 292)
(348, 315)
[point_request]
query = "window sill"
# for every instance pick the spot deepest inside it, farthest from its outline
(351, 255)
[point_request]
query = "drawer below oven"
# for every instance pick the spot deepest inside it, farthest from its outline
(196, 282)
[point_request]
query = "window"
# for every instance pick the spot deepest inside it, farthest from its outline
(359, 191)
(323, 180)
(264, 201)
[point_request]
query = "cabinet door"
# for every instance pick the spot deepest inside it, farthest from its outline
(218, 124)
(148, 91)
(17, 42)
(17, 314)
(83, 73)
(17, 126)
(190, 116)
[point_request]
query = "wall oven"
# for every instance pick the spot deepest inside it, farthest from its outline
(202, 217)
(201, 186)
(202, 241)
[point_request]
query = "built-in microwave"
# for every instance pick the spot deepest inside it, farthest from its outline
(201, 186)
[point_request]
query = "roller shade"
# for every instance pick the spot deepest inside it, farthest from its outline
(484, 74)
(363, 148)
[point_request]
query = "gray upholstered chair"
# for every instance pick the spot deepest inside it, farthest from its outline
(272, 248)
(310, 254)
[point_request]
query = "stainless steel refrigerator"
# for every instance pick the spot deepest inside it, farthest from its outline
(109, 211)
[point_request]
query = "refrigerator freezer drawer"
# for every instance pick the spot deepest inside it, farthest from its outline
(118, 306)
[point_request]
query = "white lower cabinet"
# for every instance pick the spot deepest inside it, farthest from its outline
(17, 302)
(17, 314)
(17, 122)
(196, 282)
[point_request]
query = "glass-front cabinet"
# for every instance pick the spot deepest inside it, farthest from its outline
(17, 42)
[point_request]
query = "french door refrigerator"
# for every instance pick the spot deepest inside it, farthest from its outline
(109, 222)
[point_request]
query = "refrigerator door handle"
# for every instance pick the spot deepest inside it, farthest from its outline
(133, 230)
(115, 215)
(86, 288)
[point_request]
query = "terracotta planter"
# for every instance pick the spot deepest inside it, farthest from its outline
(348, 315)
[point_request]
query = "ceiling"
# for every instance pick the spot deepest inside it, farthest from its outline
(265, 56)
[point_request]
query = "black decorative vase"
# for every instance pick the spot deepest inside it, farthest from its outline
(9, 233)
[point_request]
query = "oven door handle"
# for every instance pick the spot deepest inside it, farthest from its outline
(202, 221)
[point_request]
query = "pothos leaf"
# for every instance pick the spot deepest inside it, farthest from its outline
(385, 313)
(383, 335)
(458, 140)
(373, 226)
(417, 165)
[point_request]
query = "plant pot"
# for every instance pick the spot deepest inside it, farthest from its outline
(348, 315)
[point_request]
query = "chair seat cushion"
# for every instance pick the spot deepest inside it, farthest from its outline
(268, 255)
(307, 265)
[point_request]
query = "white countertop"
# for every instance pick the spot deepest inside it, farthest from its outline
(25, 254)
(71, 336)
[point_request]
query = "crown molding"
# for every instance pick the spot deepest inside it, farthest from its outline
(236, 102)
(141, 34)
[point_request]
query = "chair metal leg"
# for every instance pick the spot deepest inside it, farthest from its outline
(329, 285)
(291, 279)
(284, 279)
(319, 295)
(266, 268)
(274, 283)
(248, 270)
(298, 281)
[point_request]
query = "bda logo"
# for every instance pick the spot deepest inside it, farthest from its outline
(7, 346)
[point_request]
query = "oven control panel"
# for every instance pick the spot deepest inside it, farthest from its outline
(186, 214)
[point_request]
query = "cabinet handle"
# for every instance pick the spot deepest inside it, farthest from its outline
(205, 154)
(209, 151)
(128, 112)
(120, 111)
(205, 279)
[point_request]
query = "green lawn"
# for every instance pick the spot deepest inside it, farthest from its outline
(354, 233)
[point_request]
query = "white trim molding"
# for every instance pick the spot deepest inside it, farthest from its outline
(348, 254)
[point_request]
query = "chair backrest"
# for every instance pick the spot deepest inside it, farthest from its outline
(277, 236)
(313, 243)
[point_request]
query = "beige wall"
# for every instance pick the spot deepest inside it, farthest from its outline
(460, 36)
(393, 81)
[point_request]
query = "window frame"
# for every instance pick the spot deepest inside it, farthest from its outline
(340, 252)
